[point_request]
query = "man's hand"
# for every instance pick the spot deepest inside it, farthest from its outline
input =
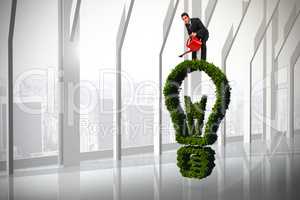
(193, 34)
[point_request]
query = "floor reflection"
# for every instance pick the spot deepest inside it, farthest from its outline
(240, 172)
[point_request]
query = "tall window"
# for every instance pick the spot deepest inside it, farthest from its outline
(99, 21)
(35, 82)
(4, 21)
(140, 63)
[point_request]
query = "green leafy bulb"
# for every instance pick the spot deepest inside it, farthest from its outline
(189, 122)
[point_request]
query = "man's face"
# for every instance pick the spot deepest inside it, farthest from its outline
(186, 19)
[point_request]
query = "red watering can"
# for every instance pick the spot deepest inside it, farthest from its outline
(194, 44)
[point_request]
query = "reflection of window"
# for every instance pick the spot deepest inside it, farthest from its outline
(3, 129)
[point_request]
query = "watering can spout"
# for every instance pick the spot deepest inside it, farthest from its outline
(185, 53)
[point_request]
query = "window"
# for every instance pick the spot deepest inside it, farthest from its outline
(98, 26)
(35, 82)
(4, 21)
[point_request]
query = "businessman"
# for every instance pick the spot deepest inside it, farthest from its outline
(196, 28)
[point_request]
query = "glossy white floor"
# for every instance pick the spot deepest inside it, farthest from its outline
(270, 171)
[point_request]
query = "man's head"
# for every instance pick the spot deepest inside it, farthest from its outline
(185, 17)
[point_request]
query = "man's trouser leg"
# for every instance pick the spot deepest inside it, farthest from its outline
(194, 55)
(203, 50)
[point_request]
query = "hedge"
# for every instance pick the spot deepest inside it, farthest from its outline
(195, 162)
(186, 132)
(195, 159)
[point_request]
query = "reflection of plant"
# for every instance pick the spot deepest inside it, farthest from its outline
(187, 131)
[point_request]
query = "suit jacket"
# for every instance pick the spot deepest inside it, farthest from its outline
(197, 26)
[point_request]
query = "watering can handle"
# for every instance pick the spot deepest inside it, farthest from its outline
(188, 41)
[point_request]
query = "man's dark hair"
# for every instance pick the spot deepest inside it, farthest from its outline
(184, 14)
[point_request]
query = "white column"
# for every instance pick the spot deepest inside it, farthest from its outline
(194, 79)
(270, 85)
(291, 96)
(69, 76)
(264, 89)
(269, 89)
(264, 73)
(117, 143)
(10, 142)
(1, 124)
(225, 51)
(247, 106)
(186, 56)
(209, 11)
(158, 106)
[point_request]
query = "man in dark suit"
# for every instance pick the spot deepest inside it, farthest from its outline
(196, 28)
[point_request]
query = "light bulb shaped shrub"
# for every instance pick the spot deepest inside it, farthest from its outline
(196, 159)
